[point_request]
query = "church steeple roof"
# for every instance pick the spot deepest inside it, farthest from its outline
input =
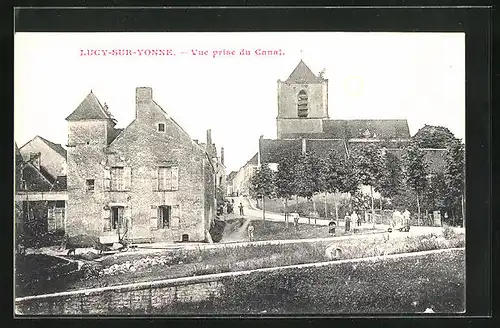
(303, 74)
(90, 108)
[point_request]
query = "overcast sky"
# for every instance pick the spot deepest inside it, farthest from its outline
(419, 77)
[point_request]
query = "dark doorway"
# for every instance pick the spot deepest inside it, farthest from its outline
(116, 218)
(164, 216)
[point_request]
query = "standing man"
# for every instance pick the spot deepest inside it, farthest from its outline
(241, 209)
(347, 223)
(250, 230)
(406, 217)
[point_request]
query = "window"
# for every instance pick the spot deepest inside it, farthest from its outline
(117, 178)
(161, 127)
(34, 156)
(90, 184)
(164, 215)
(168, 178)
(302, 104)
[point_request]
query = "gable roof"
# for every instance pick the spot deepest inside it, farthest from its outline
(272, 150)
(17, 152)
(58, 148)
(231, 176)
(90, 108)
(34, 179)
(303, 74)
(363, 129)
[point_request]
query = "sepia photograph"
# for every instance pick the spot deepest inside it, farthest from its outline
(248, 173)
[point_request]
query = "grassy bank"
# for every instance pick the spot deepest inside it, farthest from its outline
(130, 268)
(269, 230)
(393, 285)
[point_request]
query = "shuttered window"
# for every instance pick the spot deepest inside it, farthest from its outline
(153, 217)
(106, 220)
(118, 178)
(302, 104)
(168, 178)
(176, 217)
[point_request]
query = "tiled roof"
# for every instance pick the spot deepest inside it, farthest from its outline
(34, 179)
(320, 135)
(17, 152)
(89, 108)
(303, 74)
(359, 129)
(60, 184)
(272, 150)
(322, 148)
(58, 148)
(254, 160)
(231, 175)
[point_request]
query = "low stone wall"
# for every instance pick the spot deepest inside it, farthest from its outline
(163, 295)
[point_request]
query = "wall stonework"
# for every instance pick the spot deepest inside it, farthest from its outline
(287, 108)
(141, 148)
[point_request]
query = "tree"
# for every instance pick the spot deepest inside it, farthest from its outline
(262, 185)
(455, 175)
(431, 136)
(309, 176)
(392, 176)
(434, 196)
(339, 176)
(415, 169)
(369, 168)
(285, 181)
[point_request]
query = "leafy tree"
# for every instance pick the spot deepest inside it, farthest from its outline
(285, 181)
(455, 175)
(392, 176)
(369, 168)
(431, 136)
(339, 175)
(262, 185)
(415, 171)
(309, 178)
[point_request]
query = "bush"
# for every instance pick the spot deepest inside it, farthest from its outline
(448, 232)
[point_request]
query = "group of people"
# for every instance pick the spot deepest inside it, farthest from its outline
(400, 219)
(227, 207)
(354, 218)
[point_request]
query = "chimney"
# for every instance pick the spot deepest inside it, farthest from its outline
(35, 159)
(222, 155)
(143, 96)
(209, 137)
(195, 140)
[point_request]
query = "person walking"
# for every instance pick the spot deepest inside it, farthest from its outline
(241, 209)
(250, 230)
(355, 218)
(406, 218)
(347, 223)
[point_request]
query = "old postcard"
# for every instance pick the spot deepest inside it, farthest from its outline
(239, 173)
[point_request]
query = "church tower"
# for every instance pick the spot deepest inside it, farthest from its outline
(302, 103)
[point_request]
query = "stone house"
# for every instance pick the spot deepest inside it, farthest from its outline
(149, 182)
(50, 156)
(40, 200)
(241, 180)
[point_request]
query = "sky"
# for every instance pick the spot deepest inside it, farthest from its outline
(415, 76)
